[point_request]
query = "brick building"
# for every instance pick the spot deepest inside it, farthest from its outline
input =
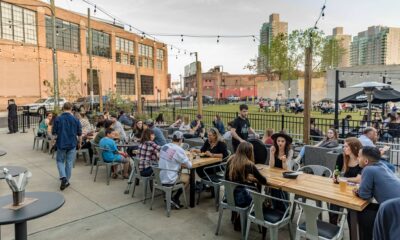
(26, 66)
(219, 84)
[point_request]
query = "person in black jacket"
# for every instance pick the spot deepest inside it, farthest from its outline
(12, 117)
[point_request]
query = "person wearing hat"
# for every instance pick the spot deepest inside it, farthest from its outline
(172, 157)
(117, 126)
(12, 117)
(159, 136)
(281, 153)
(197, 127)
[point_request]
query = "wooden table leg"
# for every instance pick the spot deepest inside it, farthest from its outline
(353, 231)
(192, 186)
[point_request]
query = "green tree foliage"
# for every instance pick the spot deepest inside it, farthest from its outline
(332, 53)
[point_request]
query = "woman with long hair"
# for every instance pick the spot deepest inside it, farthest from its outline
(281, 153)
(185, 126)
(148, 153)
(137, 130)
(267, 136)
(178, 122)
(348, 164)
(241, 169)
(160, 119)
(214, 146)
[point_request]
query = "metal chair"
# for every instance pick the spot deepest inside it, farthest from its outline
(95, 156)
(168, 190)
(313, 228)
(101, 162)
(214, 180)
(316, 170)
(85, 153)
(185, 146)
(273, 219)
(228, 202)
(37, 139)
(135, 174)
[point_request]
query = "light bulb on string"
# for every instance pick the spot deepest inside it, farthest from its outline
(176, 56)
(181, 38)
(254, 38)
(218, 39)
(114, 22)
(95, 9)
(130, 28)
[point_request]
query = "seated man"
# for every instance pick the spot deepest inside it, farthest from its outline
(377, 181)
(111, 154)
(197, 126)
(118, 128)
(172, 156)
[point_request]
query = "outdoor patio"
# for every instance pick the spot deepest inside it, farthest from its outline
(93, 210)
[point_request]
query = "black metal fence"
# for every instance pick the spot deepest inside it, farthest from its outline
(27, 120)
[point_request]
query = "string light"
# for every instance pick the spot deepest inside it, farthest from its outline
(181, 38)
(95, 9)
(218, 39)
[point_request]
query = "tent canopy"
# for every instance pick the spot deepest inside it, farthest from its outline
(386, 94)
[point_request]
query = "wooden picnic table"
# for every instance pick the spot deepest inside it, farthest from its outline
(317, 188)
(196, 163)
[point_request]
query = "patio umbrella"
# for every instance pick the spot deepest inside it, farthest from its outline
(386, 94)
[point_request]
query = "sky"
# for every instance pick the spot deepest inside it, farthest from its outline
(235, 17)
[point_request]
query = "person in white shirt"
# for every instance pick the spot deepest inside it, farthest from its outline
(172, 157)
(119, 128)
(185, 126)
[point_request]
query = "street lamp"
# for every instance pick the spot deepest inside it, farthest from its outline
(369, 88)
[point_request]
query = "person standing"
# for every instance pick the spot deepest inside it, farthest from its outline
(241, 127)
(12, 117)
(68, 131)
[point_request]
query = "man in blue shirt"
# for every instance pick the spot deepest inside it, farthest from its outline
(377, 181)
(159, 135)
(111, 154)
(68, 131)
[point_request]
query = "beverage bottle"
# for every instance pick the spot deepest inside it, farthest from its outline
(336, 175)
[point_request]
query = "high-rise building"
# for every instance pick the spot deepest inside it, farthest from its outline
(344, 42)
(379, 45)
(267, 32)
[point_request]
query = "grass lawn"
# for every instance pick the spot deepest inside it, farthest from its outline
(255, 109)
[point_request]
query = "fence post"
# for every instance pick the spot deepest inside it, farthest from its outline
(181, 103)
(283, 122)
(151, 111)
(237, 114)
(343, 128)
(23, 121)
(173, 114)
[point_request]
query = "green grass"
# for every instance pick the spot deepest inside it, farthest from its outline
(255, 109)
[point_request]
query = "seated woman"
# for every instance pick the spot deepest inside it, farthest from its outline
(348, 164)
(241, 169)
(111, 153)
(214, 146)
(160, 119)
(43, 125)
(178, 122)
(281, 154)
(185, 126)
(86, 129)
(330, 141)
(148, 153)
(267, 137)
(228, 135)
(137, 130)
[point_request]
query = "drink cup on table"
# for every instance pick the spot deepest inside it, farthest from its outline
(342, 183)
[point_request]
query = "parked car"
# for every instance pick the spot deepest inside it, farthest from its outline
(44, 105)
(84, 102)
(233, 98)
(208, 99)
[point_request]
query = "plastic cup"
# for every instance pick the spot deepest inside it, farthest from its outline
(342, 184)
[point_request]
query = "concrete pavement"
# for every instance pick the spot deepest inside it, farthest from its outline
(93, 210)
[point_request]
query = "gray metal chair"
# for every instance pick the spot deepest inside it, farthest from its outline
(313, 228)
(101, 162)
(37, 139)
(273, 219)
(135, 174)
(95, 156)
(316, 170)
(168, 190)
(185, 146)
(214, 180)
(228, 202)
(85, 153)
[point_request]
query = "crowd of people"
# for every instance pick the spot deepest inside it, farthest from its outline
(361, 162)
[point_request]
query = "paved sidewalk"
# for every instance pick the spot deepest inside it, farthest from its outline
(94, 210)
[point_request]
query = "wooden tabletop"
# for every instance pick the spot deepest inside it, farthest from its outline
(313, 187)
(202, 161)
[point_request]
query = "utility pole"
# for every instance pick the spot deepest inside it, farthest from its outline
(139, 88)
(383, 104)
(307, 92)
(55, 65)
(100, 90)
(337, 82)
(90, 61)
(199, 86)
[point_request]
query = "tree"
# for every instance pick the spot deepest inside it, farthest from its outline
(277, 55)
(332, 53)
(69, 87)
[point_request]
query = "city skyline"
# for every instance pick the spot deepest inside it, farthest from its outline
(221, 17)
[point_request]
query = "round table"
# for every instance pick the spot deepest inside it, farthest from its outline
(2, 153)
(47, 202)
(14, 171)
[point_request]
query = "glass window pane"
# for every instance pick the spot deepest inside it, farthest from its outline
(6, 21)
(18, 24)
(30, 26)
